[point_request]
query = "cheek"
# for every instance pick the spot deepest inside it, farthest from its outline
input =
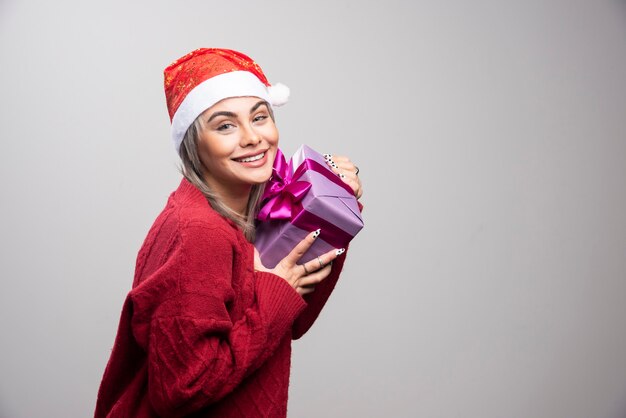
(272, 135)
(271, 156)
(213, 152)
(205, 155)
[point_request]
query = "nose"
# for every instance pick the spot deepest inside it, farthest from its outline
(250, 137)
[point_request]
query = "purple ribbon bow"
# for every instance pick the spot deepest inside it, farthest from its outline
(283, 192)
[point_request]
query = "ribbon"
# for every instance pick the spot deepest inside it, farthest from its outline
(330, 233)
(284, 192)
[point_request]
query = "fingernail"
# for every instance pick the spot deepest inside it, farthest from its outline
(317, 233)
(340, 251)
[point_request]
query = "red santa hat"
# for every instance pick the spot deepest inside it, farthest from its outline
(203, 77)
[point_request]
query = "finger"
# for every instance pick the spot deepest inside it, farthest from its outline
(336, 158)
(355, 185)
(305, 290)
(306, 271)
(315, 278)
(341, 165)
(335, 162)
(329, 256)
(347, 167)
(321, 261)
(346, 170)
(301, 248)
(351, 180)
(258, 264)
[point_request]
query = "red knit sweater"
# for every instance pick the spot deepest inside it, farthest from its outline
(201, 333)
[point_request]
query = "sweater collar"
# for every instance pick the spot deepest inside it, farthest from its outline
(188, 195)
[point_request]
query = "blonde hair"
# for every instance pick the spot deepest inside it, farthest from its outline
(193, 170)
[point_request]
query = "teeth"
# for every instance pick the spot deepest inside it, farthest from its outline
(250, 159)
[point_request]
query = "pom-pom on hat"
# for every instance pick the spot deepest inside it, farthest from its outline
(198, 80)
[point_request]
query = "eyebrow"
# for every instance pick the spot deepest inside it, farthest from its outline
(259, 104)
(234, 115)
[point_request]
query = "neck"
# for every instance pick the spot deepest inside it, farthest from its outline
(237, 203)
(234, 196)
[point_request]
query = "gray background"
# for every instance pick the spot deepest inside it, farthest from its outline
(490, 280)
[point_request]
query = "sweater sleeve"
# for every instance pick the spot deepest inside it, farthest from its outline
(317, 299)
(196, 353)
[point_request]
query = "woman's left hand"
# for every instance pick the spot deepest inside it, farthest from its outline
(347, 171)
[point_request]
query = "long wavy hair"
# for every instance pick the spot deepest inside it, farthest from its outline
(193, 170)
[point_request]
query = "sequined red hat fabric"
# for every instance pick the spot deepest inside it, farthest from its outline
(197, 66)
(198, 80)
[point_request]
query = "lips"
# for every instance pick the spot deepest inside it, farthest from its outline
(251, 158)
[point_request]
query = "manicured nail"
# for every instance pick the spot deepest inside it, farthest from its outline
(316, 233)
(340, 251)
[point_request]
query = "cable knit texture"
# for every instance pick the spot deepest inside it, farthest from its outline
(201, 333)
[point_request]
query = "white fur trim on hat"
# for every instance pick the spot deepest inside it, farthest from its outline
(279, 94)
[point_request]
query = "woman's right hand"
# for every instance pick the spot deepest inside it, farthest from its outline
(302, 277)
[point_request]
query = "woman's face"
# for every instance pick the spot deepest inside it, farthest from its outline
(237, 144)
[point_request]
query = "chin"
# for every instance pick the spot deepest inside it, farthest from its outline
(261, 179)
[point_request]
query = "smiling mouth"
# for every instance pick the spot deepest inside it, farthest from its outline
(251, 159)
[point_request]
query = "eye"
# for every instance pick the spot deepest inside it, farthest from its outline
(260, 117)
(224, 126)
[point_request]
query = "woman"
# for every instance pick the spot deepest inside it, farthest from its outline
(206, 330)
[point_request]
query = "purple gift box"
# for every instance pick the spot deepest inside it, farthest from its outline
(299, 198)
